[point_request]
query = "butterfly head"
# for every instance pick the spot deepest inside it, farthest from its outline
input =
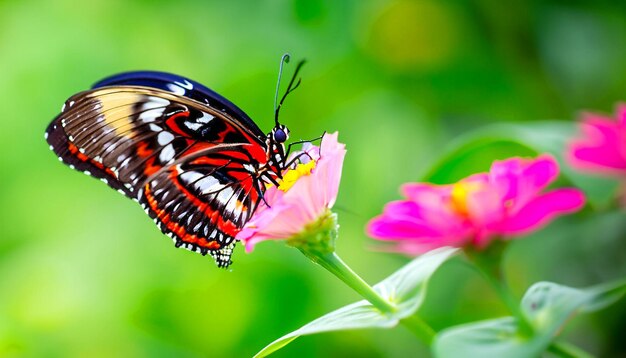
(280, 134)
(276, 154)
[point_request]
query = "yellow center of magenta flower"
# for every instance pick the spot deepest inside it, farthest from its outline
(460, 193)
(292, 176)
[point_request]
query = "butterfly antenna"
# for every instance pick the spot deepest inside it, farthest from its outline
(283, 60)
(290, 88)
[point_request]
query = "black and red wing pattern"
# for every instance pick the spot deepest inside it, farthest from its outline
(190, 165)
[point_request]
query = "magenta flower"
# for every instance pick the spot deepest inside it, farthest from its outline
(602, 147)
(506, 202)
(305, 195)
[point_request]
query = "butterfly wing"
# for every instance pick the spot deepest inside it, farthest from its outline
(202, 200)
(136, 138)
(181, 86)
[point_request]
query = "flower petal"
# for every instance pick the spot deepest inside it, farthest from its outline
(540, 172)
(485, 206)
(329, 169)
(425, 193)
(434, 205)
(423, 226)
(477, 209)
(389, 228)
(542, 209)
(602, 146)
(521, 179)
(311, 195)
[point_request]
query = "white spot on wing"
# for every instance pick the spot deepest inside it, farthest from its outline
(176, 89)
(125, 162)
(190, 176)
(186, 84)
(208, 185)
(232, 205)
(206, 118)
(167, 153)
(224, 195)
(150, 115)
(165, 137)
(193, 126)
(154, 102)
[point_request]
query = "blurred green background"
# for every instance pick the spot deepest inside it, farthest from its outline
(84, 272)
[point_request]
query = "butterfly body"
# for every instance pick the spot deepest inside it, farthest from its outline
(196, 163)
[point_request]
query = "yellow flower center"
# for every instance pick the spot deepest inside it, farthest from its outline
(292, 176)
(460, 193)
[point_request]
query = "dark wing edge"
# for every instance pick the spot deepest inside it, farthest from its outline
(69, 154)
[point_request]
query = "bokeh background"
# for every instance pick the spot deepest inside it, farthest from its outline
(84, 272)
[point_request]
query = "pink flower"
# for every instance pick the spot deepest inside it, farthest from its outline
(602, 148)
(507, 201)
(305, 194)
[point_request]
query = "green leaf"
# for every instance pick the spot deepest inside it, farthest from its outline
(546, 306)
(406, 288)
(492, 338)
(475, 151)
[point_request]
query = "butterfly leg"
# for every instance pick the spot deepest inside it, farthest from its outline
(303, 141)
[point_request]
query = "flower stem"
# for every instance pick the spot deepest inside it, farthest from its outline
(337, 267)
(419, 328)
(566, 350)
(489, 264)
(496, 280)
(317, 242)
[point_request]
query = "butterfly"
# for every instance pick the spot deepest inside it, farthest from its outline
(196, 163)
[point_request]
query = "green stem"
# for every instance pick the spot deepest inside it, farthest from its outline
(489, 264)
(566, 350)
(337, 267)
(419, 327)
(317, 242)
(496, 280)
